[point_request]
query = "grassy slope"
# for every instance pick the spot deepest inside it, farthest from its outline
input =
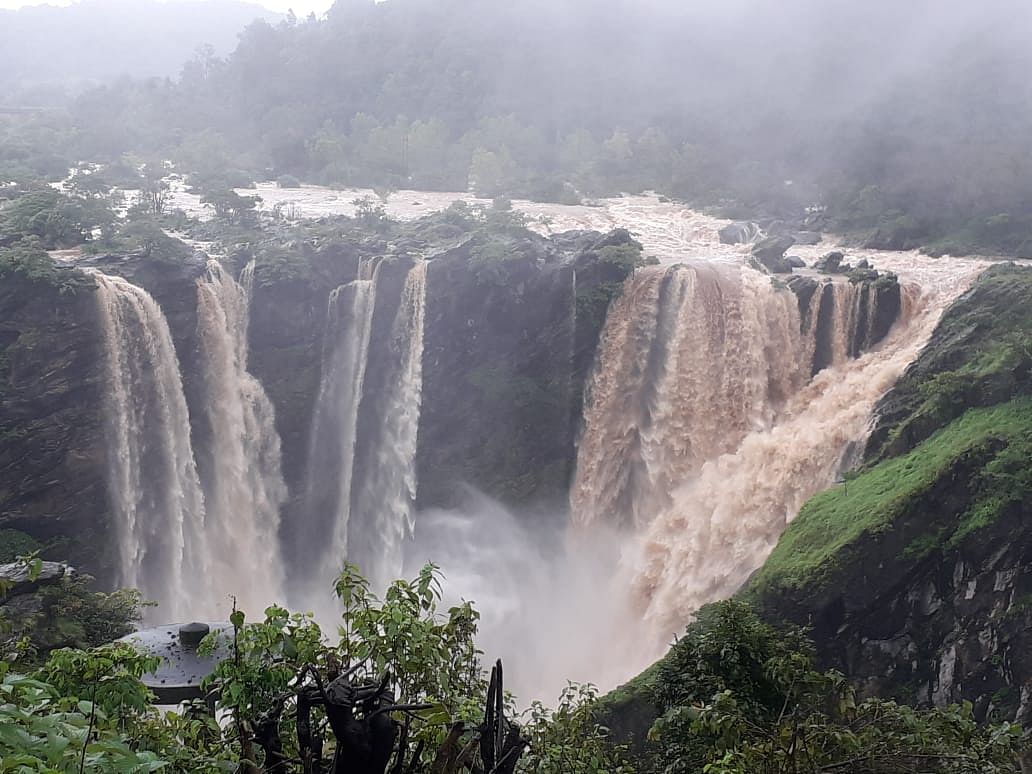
(991, 446)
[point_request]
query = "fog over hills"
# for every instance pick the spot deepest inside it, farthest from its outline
(99, 40)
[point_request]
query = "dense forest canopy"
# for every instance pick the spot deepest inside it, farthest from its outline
(908, 122)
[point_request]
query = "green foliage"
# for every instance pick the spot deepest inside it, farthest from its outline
(429, 654)
(740, 697)
(143, 235)
(276, 264)
(231, 206)
(28, 260)
(627, 255)
(569, 739)
(55, 219)
(15, 543)
(88, 711)
(67, 614)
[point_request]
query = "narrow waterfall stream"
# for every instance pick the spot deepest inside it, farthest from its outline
(331, 454)
(241, 552)
(385, 499)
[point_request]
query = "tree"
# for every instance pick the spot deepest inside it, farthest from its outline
(155, 191)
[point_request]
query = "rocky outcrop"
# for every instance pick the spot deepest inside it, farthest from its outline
(831, 263)
(876, 303)
(509, 343)
(770, 253)
(18, 578)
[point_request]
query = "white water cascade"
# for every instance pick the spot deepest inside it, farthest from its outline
(240, 553)
(156, 498)
(360, 485)
(386, 497)
(331, 456)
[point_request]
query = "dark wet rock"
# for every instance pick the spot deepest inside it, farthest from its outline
(739, 232)
(795, 262)
(25, 578)
(808, 237)
(770, 252)
(832, 263)
(52, 452)
(509, 346)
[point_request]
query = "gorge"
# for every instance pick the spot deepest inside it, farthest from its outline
(407, 390)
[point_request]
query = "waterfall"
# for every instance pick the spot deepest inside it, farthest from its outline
(706, 429)
(245, 487)
(331, 456)
(723, 522)
(156, 498)
(385, 498)
(692, 358)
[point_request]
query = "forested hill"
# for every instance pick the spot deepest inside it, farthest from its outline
(908, 121)
(45, 50)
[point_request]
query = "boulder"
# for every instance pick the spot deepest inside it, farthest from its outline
(738, 233)
(795, 262)
(863, 263)
(770, 252)
(831, 263)
(23, 580)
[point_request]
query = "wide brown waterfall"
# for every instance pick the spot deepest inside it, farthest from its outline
(693, 357)
(704, 431)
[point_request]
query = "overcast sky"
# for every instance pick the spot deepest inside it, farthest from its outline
(301, 7)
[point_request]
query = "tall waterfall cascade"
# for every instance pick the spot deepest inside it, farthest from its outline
(156, 499)
(704, 431)
(360, 490)
(241, 551)
(331, 455)
(186, 545)
(385, 501)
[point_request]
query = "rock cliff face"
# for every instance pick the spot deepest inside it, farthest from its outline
(876, 301)
(508, 347)
(52, 457)
(916, 574)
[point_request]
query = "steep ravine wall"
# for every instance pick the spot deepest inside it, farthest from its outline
(508, 348)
